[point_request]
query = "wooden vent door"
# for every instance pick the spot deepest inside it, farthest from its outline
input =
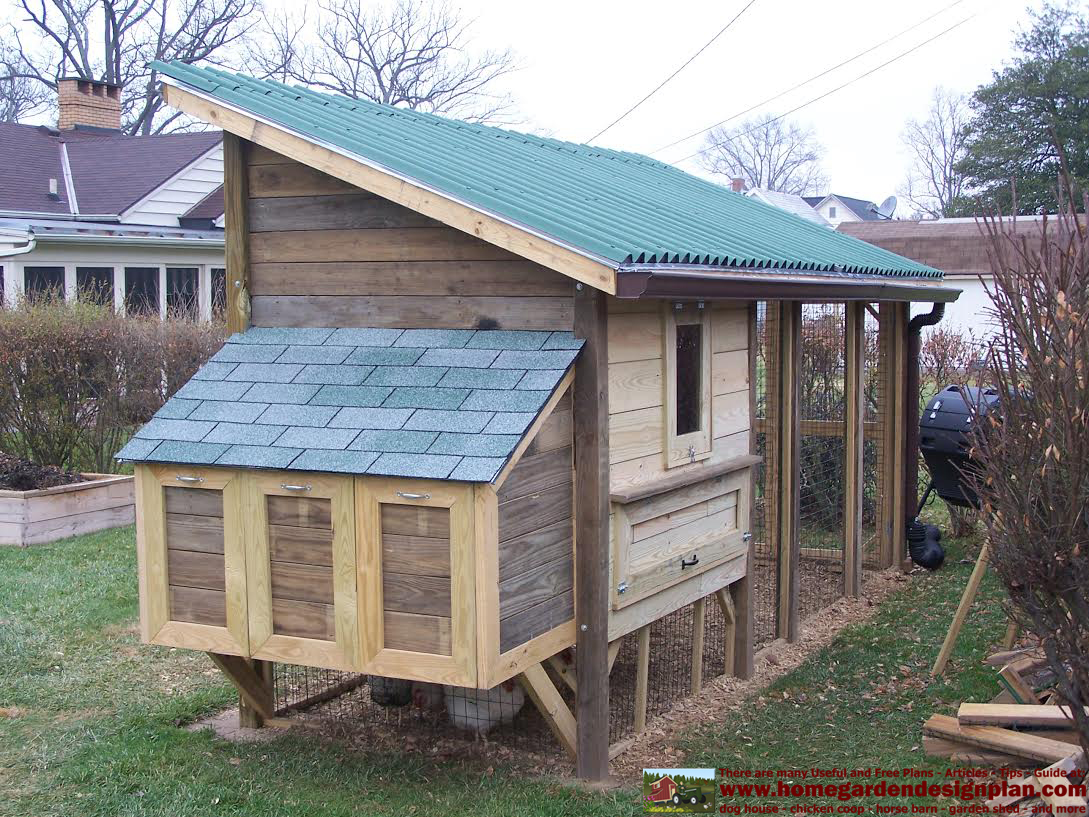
(302, 570)
(192, 559)
(418, 554)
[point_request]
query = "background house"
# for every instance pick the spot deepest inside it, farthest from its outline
(790, 202)
(836, 209)
(132, 220)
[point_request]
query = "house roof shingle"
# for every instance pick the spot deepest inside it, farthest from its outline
(620, 208)
(433, 403)
(110, 171)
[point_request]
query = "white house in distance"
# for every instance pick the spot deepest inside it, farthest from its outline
(790, 202)
(136, 221)
(836, 209)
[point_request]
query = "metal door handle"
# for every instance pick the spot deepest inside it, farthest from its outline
(287, 487)
(695, 560)
(407, 495)
(184, 478)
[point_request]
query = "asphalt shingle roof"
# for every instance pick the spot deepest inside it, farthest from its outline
(622, 208)
(441, 404)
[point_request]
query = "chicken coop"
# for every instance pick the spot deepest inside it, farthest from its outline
(487, 403)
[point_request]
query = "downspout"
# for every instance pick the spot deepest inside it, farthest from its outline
(911, 411)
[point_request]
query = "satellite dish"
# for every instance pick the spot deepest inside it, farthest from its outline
(887, 208)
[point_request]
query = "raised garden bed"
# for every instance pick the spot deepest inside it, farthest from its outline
(34, 517)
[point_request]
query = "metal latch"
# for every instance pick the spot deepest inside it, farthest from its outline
(695, 560)
(746, 536)
(691, 453)
(622, 588)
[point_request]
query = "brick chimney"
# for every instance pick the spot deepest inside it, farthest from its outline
(737, 184)
(88, 103)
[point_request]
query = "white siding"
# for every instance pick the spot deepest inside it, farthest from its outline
(174, 198)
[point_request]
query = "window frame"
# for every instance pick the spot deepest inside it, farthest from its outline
(695, 446)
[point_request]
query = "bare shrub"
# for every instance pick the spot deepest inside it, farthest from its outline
(1034, 482)
(76, 379)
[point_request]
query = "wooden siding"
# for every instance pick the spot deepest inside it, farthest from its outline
(637, 390)
(301, 548)
(194, 555)
(536, 558)
(325, 253)
(416, 590)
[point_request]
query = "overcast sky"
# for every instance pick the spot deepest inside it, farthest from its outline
(586, 61)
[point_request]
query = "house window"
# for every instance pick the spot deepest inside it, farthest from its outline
(43, 282)
(142, 290)
(219, 293)
(687, 353)
(181, 291)
(831, 212)
(94, 284)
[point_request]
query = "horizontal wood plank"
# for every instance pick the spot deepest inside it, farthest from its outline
(729, 413)
(303, 619)
(635, 337)
(535, 548)
(291, 543)
(407, 593)
(190, 568)
(198, 606)
(186, 531)
(1037, 715)
(416, 520)
(416, 555)
(554, 433)
(416, 633)
(466, 278)
(351, 211)
(534, 511)
(431, 312)
(729, 329)
(293, 179)
(536, 472)
(635, 385)
(684, 478)
(730, 372)
(300, 512)
(521, 627)
(193, 501)
(302, 582)
(414, 244)
(635, 434)
(528, 589)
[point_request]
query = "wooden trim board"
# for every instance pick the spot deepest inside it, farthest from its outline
(403, 191)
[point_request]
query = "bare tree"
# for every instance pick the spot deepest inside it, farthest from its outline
(937, 145)
(413, 54)
(768, 152)
(20, 96)
(114, 40)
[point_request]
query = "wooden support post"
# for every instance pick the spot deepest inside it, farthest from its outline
(236, 231)
(854, 397)
(900, 493)
(614, 651)
(699, 629)
(591, 417)
(252, 687)
(893, 343)
(788, 470)
(642, 677)
(966, 600)
(739, 659)
(729, 614)
(551, 705)
(1010, 638)
(248, 717)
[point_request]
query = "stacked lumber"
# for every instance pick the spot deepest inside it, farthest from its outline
(1023, 727)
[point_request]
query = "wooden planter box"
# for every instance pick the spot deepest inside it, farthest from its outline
(48, 514)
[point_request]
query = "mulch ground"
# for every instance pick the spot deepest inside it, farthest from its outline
(22, 475)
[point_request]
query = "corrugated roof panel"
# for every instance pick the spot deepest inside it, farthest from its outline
(622, 207)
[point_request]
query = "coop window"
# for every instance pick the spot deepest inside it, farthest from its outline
(219, 292)
(142, 290)
(43, 282)
(687, 353)
(94, 284)
(181, 291)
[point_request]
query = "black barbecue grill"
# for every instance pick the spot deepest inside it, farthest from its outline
(945, 439)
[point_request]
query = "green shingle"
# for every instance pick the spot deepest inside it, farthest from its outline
(620, 208)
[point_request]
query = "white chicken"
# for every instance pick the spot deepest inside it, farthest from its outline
(478, 710)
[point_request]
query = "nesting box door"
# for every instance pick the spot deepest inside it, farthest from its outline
(301, 563)
(418, 555)
(192, 559)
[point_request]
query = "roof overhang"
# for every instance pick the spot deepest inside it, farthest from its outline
(688, 282)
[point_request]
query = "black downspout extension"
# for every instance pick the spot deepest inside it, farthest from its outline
(922, 542)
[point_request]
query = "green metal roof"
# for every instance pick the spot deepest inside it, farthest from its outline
(622, 208)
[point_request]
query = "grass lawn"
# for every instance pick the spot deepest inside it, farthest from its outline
(89, 716)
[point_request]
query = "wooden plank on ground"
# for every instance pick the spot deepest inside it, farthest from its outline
(1031, 747)
(973, 714)
(1011, 679)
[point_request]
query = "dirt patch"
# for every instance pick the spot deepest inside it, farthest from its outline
(655, 748)
(225, 725)
(22, 475)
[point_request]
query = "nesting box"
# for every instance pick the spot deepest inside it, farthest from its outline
(382, 501)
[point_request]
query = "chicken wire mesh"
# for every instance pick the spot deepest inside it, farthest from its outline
(764, 582)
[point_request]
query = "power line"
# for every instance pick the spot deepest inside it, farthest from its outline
(834, 90)
(814, 78)
(663, 83)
